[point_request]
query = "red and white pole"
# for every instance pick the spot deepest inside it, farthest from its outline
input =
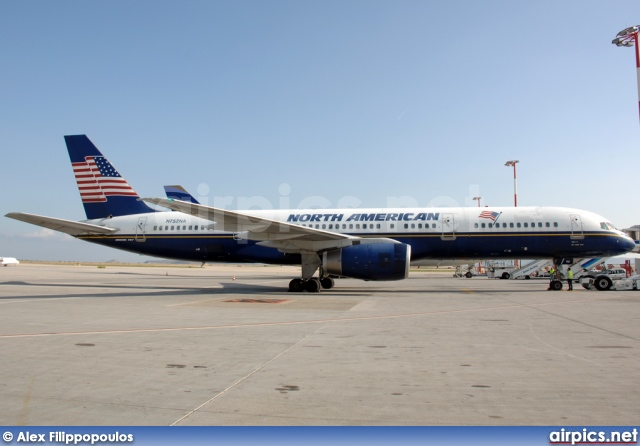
(635, 41)
(515, 181)
(515, 187)
(629, 37)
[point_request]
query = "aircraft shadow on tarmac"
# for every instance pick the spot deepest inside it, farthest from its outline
(237, 288)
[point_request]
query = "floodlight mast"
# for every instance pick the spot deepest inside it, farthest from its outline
(629, 37)
(515, 183)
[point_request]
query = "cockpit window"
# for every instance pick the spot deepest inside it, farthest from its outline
(603, 225)
(607, 226)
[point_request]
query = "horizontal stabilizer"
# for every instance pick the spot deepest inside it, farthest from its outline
(70, 227)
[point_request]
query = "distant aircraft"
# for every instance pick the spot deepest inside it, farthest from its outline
(179, 193)
(6, 261)
(367, 244)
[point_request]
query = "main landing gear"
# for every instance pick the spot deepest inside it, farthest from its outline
(311, 285)
(310, 264)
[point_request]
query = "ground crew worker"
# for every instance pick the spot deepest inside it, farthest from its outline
(552, 275)
(570, 279)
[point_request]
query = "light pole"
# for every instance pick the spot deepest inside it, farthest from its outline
(629, 37)
(515, 184)
(479, 263)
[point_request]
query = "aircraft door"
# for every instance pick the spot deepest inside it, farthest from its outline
(141, 230)
(576, 227)
(448, 227)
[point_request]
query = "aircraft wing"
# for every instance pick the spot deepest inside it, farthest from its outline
(256, 228)
(70, 227)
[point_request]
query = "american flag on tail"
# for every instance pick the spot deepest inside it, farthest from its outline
(97, 179)
(490, 215)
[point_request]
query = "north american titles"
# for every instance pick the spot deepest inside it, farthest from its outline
(409, 216)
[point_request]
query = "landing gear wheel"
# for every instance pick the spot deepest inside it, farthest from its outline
(555, 285)
(603, 283)
(296, 286)
(468, 275)
(327, 283)
(312, 285)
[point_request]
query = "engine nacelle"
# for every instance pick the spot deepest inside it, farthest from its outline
(370, 261)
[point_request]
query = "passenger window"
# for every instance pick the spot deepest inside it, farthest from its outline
(433, 225)
(350, 225)
(357, 226)
(155, 227)
(555, 224)
(413, 225)
(491, 225)
(393, 226)
(519, 225)
(406, 225)
(475, 225)
(484, 225)
(547, 224)
(511, 225)
(419, 225)
(195, 227)
(539, 224)
(324, 226)
(378, 226)
(526, 225)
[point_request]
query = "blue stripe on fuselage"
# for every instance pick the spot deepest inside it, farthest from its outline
(222, 247)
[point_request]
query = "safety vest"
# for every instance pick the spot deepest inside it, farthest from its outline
(570, 275)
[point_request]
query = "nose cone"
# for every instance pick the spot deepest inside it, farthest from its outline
(627, 244)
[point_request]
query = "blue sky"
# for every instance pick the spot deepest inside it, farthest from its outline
(365, 103)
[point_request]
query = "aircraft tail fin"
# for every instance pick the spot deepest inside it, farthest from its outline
(103, 191)
(179, 193)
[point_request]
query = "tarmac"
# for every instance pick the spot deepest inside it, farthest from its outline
(227, 345)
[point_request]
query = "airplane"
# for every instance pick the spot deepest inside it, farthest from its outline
(368, 244)
(179, 193)
(6, 261)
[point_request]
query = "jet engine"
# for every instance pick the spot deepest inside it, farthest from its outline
(369, 261)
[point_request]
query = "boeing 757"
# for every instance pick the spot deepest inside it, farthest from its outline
(367, 244)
